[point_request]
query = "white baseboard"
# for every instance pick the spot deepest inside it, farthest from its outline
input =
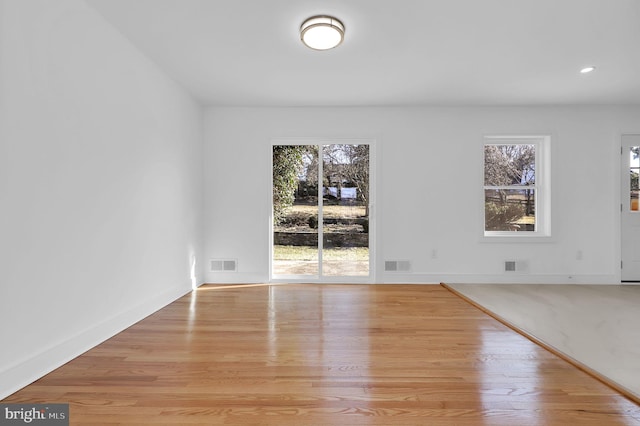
(506, 278)
(235, 278)
(436, 278)
(26, 372)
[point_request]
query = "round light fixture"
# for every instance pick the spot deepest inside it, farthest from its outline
(587, 70)
(322, 32)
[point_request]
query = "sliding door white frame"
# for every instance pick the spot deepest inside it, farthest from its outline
(321, 278)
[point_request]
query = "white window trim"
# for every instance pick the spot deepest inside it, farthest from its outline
(542, 187)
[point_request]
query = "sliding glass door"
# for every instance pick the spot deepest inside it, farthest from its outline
(321, 213)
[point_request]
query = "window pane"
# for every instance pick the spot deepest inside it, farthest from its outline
(509, 210)
(295, 208)
(345, 212)
(633, 184)
(634, 171)
(634, 153)
(509, 165)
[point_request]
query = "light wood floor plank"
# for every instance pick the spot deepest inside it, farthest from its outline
(326, 355)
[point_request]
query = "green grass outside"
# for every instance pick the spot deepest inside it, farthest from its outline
(526, 220)
(311, 253)
(330, 211)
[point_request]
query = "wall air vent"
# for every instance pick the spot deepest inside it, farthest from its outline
(397, 266)
(520, 266)
(223, 265)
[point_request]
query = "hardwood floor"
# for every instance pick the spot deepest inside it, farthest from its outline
(309, 354)
(593, 327)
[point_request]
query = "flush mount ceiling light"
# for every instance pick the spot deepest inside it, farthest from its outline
(587, 70)
(322, 32)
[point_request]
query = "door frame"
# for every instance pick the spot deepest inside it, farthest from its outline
(623, 194)
(319, 141)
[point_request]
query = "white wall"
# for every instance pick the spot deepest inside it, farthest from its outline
(100, 186)
(429, 192)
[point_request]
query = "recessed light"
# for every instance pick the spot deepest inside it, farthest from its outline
(322, 32)
(587, 70)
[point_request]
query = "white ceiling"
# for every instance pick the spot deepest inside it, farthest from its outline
(396, 52)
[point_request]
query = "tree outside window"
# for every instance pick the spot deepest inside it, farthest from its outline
(510, 189)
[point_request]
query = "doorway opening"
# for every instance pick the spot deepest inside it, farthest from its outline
(321, 211)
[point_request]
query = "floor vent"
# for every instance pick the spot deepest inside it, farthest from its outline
(397, 266)
(223, 265)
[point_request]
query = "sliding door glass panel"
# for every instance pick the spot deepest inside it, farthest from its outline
(634, 172)
(295, 210)
(345, 212)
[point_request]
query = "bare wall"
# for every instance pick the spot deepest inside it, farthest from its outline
(429, 188)
(100, 186)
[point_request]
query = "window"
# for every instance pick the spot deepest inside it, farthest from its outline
(515, 186)
(634, 170)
